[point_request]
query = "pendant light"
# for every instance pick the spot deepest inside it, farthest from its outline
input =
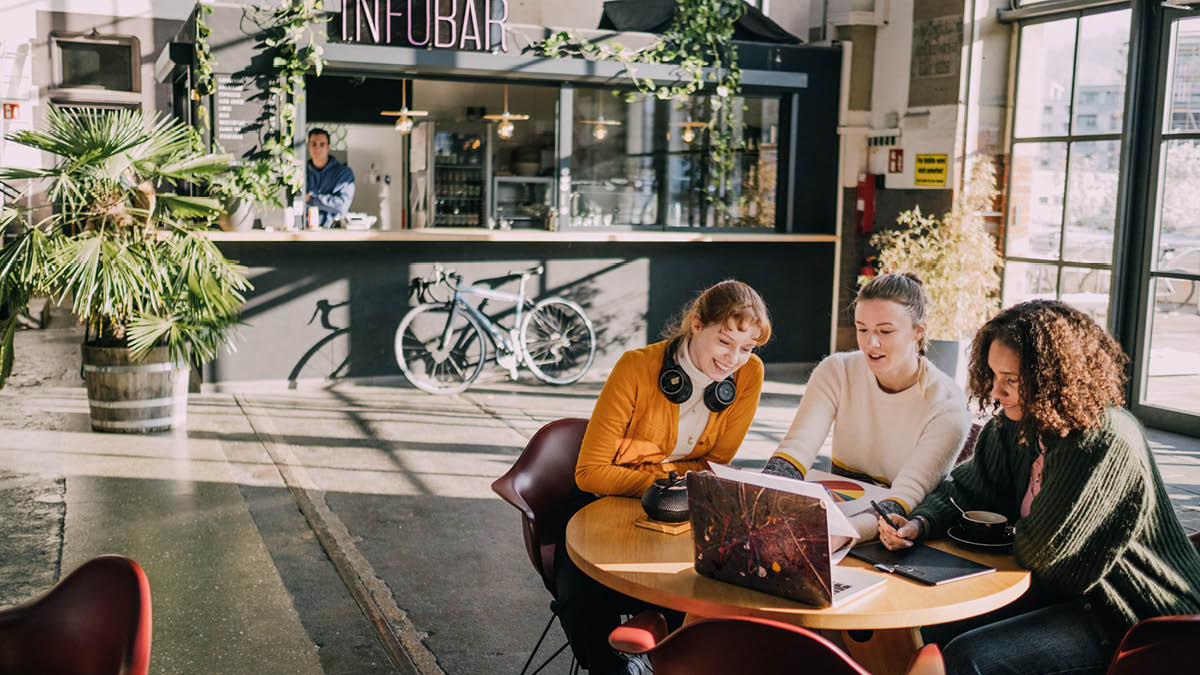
(504, 126)
(404, 121)
(689, 129)
(600, 125)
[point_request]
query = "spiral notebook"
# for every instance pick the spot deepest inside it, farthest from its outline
(920, 563)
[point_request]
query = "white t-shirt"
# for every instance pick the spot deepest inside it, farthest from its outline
(908, 439)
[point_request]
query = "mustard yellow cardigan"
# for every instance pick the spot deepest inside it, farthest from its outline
(634, 427)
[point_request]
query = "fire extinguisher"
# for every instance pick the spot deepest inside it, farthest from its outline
(864, 207)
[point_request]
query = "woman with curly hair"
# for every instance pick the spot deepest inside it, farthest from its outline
(1074, 471)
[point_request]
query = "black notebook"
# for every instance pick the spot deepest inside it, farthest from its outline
(920, 563)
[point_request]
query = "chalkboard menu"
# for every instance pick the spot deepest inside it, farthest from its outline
(238, 109)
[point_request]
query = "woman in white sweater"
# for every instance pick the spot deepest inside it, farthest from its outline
(897, 420)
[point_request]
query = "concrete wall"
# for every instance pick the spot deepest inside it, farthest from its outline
(25, 66)
(367, 286)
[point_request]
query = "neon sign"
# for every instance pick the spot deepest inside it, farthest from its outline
(426, 23)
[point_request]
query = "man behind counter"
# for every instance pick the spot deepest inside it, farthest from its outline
(329, 184)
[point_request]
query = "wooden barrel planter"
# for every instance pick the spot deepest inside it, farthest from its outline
(135, 396)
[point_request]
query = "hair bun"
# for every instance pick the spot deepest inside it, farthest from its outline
(913, 276)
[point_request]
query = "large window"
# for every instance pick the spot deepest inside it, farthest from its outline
(646, 163)
(1067, 129)
(1171, 374)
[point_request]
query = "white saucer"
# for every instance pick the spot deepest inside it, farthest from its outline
(956, 534)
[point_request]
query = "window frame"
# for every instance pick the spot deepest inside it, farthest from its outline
(87, 95)
(565, 141)
(1070, 139)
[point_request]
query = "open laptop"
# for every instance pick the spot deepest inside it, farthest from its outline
(768, 539)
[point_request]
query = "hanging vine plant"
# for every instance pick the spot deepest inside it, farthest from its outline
(290, 37)
(205, 85)
(699, 43)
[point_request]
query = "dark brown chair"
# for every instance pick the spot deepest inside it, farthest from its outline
(1160, 645)
(96, 621)
(744, 645)
(968, 447)
(539, 484)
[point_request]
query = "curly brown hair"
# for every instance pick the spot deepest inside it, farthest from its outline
(1071, 368)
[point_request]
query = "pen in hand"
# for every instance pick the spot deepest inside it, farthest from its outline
(891, 530)
(882, 514)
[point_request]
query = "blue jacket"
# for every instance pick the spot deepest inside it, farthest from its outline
(330, 189)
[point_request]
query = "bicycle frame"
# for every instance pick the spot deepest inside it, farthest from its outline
(499, 339)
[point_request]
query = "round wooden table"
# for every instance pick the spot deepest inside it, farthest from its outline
(658, 568)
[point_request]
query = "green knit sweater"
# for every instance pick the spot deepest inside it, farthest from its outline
(1101, 531)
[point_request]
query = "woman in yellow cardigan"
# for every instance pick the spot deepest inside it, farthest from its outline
(675, 405)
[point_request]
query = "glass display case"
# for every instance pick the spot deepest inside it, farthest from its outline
(459, 182)
(522, 201)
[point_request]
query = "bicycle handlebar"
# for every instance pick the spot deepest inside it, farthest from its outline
(534, 271)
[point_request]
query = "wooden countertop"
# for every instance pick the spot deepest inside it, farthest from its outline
(479, 234)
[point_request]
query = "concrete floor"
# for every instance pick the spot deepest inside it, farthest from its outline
(287, 531)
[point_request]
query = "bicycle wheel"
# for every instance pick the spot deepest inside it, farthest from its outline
(425, 364)
(558, 341)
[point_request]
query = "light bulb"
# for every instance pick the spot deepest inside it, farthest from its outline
(600, 132)
(404, 124)
(504, 129)
(688, 135)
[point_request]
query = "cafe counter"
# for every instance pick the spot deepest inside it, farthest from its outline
(326, 303)
(479, 234)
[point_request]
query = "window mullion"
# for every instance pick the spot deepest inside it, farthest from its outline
(1062, 225)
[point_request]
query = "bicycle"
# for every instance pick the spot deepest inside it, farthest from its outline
(440, 344)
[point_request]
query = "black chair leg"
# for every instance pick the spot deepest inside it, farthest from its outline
(552, 657)
(539, 646)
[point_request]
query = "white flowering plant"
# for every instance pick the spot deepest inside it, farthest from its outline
(957, 259)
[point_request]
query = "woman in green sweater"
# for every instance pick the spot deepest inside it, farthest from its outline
(1072, 469)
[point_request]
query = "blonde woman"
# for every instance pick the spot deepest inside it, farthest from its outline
(897, 420)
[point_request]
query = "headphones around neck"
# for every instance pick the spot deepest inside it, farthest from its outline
(677, 386)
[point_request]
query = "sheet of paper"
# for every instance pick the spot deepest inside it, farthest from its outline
(837, 522)
(851, 496)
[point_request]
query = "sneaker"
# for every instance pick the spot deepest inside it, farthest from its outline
(638, 664)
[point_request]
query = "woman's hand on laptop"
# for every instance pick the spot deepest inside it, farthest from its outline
(900, 533)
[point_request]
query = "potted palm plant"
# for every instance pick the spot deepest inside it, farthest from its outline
(957, 260)
(153, 293)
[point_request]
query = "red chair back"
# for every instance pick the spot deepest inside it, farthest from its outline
(1158, 645)
(96, 621)
(742, 645)
(539, 484)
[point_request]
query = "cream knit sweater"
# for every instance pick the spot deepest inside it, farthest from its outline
(907, 440)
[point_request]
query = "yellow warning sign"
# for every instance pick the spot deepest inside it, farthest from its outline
(930, 170)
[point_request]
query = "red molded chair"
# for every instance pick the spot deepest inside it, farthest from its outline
(96, 621)
(745, 645)
(1160, 645)
(968, 447)
(539, 484)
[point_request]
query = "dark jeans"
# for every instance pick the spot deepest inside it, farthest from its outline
(589, 610)
(1036, 635)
